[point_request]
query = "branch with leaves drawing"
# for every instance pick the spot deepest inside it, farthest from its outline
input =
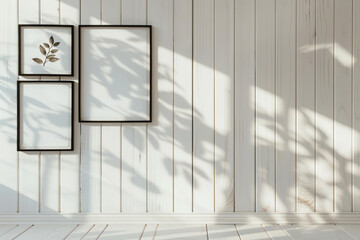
(48, 50)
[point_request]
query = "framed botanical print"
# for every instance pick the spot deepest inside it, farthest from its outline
(46, 50)
(45, 113)
(115, 73)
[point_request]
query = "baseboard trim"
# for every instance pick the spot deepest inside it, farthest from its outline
(182, 218)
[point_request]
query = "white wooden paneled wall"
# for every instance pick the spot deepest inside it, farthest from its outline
(255, 105)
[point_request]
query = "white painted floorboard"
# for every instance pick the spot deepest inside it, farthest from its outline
(122, 232)
(352, 230)
(324, 232)
(181, 231)
(48, 232)
(252, 232)
(149, 232)
(223, 232)
(15, 232)
(293, 232)
(276, 232)
(80, 231)
(95, 232)
(178, 231)
(6, 228)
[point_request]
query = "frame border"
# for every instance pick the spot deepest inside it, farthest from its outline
(150, 80)
(19, 117)
(20, 26)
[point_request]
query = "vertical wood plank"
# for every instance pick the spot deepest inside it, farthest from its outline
(90, 168)
(29, 161)
(111, 135)
(160, 135)
(49, 11)
(70, 161)
(356, 114)
(134, 12)
(91, 135)
(324, 105)
(134, 169)
(8, 77)
(285, 105)
(90, 12)
(49, 161)
(343, 105)
(134, 149)
(203, 106)
(111, 12)
(245, 105)
(265, 105)
(224, 105)
(111, 188)
(49, 182)
(182, 105)
(305, 106)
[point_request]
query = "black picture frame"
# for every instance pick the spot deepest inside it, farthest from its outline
(20, 50)
(19, 116)
(81, 120)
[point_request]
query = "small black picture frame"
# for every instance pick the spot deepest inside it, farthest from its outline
(97, 37)
(45, 115)
(45, 50)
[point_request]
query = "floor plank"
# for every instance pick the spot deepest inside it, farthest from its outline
(352, 230)
(252, 232)
(80, 231)
(180, 231)
(223, 232)
(95, 232)
(47, 231)
(4, 228)
(184, 232)
(17, 231)
(323, 232)
(293, 232)
(150, 229)
(276, 232)
(123, 231)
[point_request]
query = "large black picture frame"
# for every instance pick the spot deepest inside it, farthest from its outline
(20, 49)
(80, 102)
(19, 116)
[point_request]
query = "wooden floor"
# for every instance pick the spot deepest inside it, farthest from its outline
(187, 232)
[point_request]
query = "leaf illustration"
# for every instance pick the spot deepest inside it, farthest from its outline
(37, 60)
(50, 56)
(54, 59)
(42, 50)
(49, 52)
(51, 40)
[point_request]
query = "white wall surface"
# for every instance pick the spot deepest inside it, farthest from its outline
(256, 107)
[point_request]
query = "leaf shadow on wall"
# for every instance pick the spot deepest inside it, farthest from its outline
(324, 148)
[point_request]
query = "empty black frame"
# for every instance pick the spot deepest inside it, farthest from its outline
(19, 116)
(80, 102)
(20, 49)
